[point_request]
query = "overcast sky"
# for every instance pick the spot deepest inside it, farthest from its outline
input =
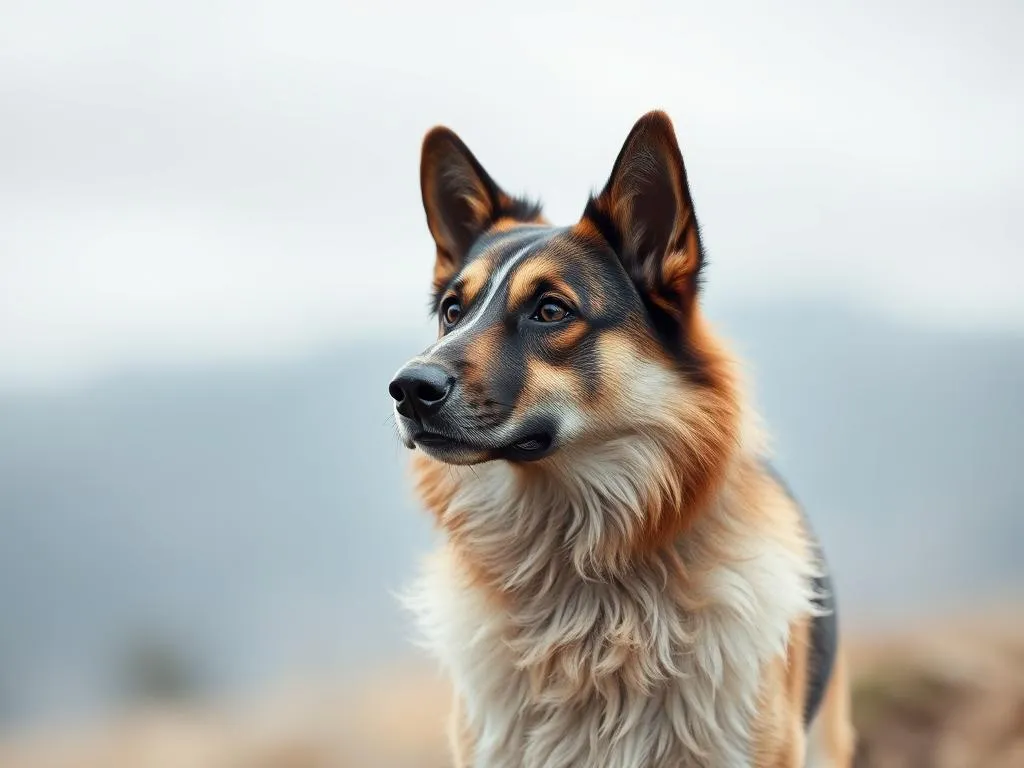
(204, 179)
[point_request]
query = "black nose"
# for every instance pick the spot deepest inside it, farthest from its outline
(420, 389)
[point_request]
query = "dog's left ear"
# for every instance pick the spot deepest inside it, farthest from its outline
(646, 215)
(461, 200)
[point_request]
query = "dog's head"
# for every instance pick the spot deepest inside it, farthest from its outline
(558, 337)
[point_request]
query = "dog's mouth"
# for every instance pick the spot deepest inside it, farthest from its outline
(439, 442)
(529, 447)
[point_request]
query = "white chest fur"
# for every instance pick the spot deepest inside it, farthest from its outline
(639, 670)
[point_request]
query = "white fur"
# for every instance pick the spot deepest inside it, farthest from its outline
(621, 668)
(494, 284)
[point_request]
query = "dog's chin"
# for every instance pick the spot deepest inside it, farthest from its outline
(528, 447)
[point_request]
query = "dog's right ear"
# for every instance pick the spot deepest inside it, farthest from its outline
(461, 200)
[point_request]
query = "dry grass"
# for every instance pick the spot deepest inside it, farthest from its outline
(942, 696)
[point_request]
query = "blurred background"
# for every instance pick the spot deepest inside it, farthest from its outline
(213, 256)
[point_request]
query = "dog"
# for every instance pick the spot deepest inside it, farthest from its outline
(624, 581)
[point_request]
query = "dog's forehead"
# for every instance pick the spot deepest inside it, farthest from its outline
(524, 255)
(496, 250)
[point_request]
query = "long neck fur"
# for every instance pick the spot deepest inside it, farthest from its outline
(607, 609)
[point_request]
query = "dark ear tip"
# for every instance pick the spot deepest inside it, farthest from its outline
(439, 133)
(656, 123)
(658, 116)
(439, 136)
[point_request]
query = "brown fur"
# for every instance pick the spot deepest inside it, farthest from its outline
(779, 740)
(834, 732)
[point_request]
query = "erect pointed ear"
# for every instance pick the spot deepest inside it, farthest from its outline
(461, 200)
(646, 214)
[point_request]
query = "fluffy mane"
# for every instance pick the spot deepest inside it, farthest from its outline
(616, 603)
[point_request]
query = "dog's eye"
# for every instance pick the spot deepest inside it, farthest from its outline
(451, 311)
(551, 311)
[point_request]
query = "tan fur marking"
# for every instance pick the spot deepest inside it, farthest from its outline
(434, 485)
(444, 270)
(705, 432)
(571, 335)
(779, 740)
(678, 266)
(833, 739)
(544, 381)
(481, 352)
(525, 279)
(505, 224)
(585, 230)
(474, 278)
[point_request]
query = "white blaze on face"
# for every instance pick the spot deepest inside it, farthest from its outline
(494, 284)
